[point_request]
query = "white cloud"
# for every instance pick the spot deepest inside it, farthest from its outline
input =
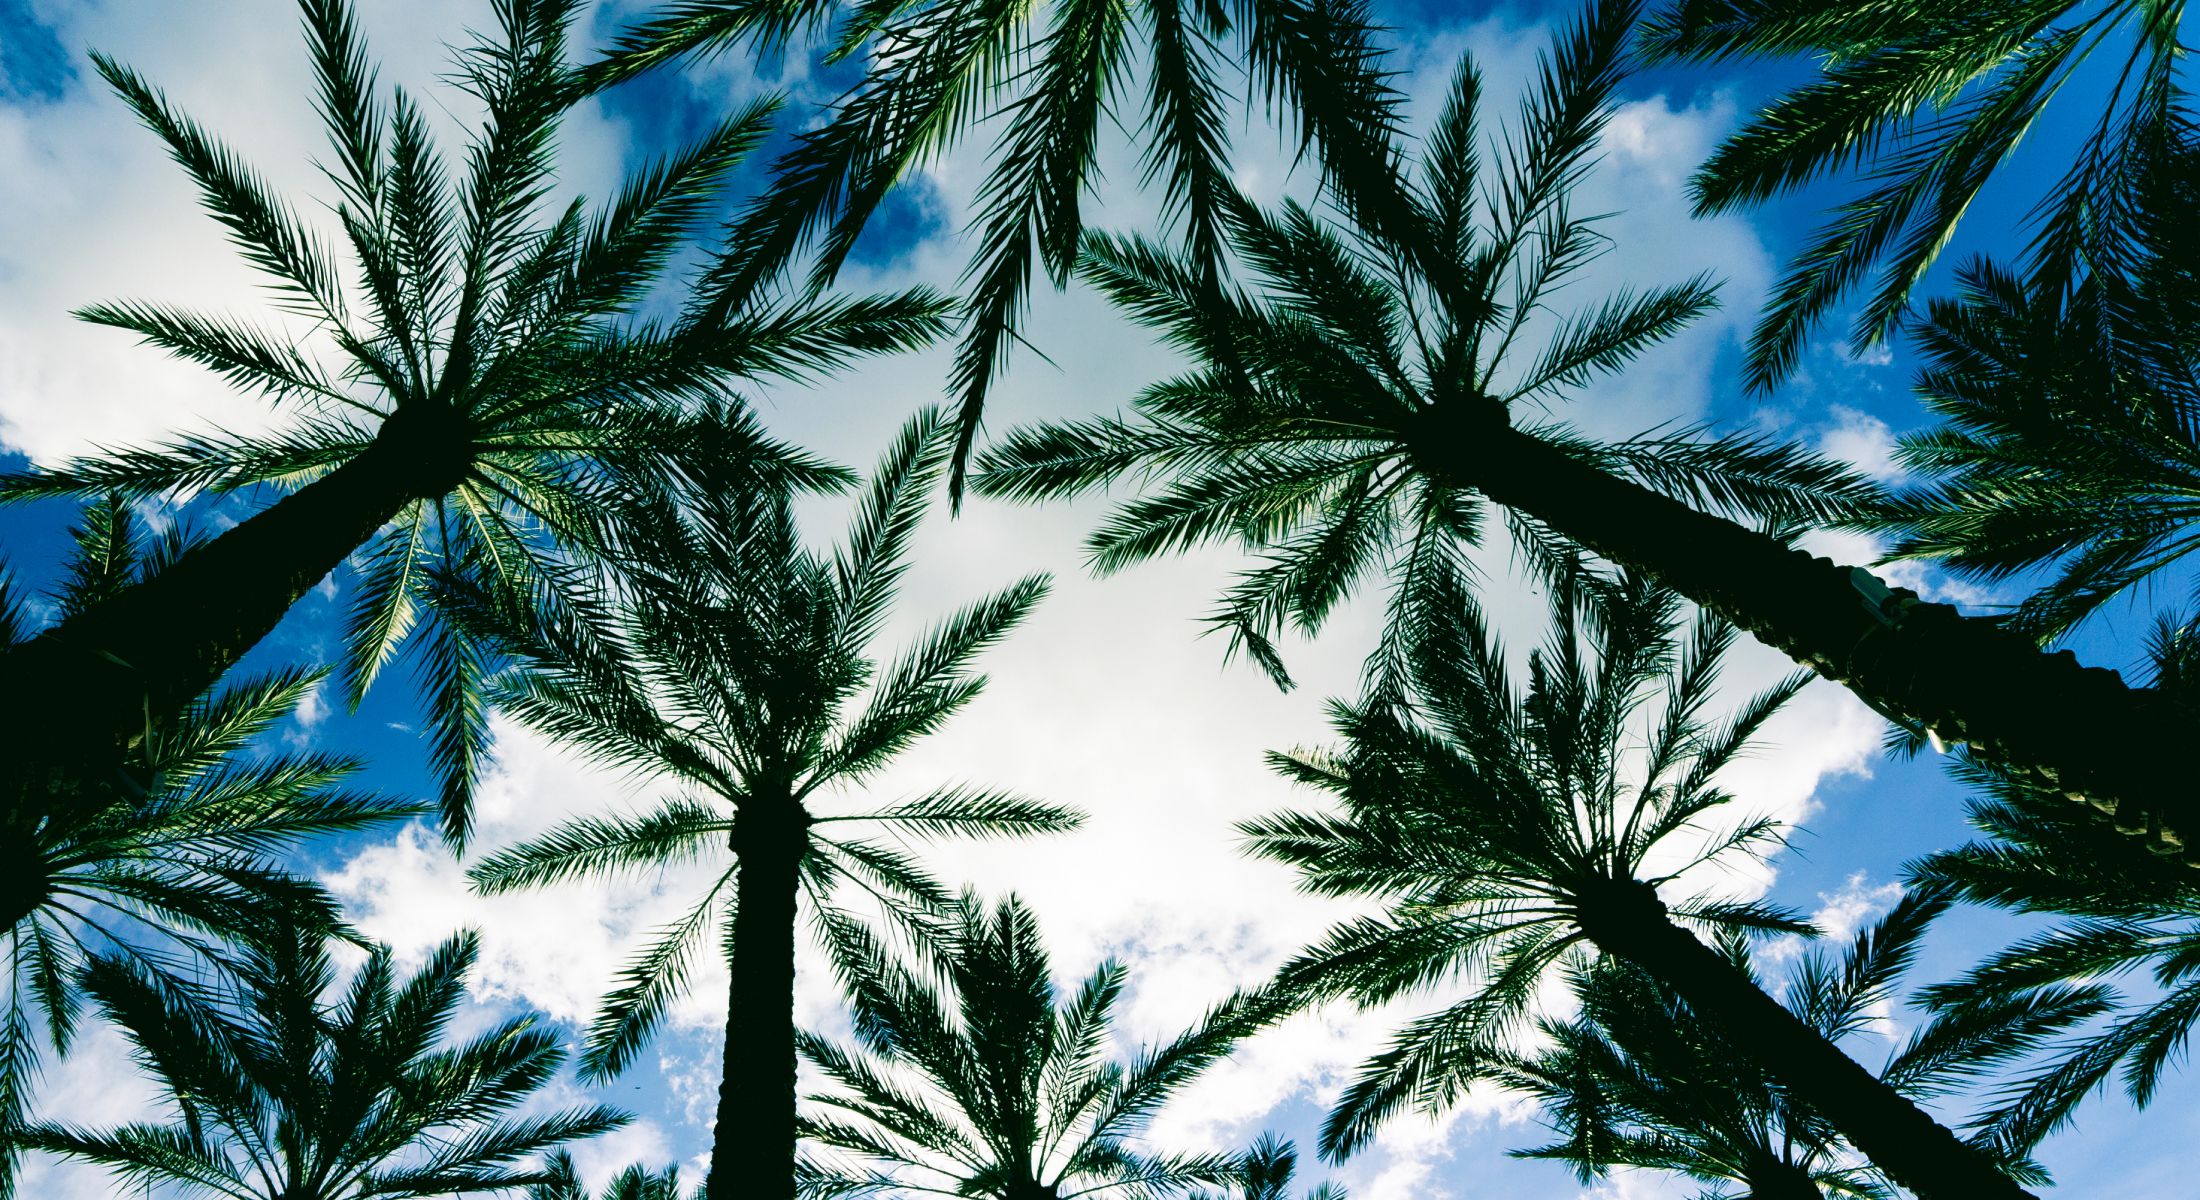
(1862, 440)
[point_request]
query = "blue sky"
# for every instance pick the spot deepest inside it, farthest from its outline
(1109, 699)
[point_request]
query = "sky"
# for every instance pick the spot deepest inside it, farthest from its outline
(1109, 699)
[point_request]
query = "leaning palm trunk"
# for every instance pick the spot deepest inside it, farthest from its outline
(1964, 679)
(752, 1150)
(84, 693)
(1626, 918)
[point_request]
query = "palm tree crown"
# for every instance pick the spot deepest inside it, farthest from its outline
(1494, 824)
(1323, 421)
(743, 667)
(563, 1182)
(156, 875)
(1513, 835)
(2072, 440)
(995, 1086)
(1927, 98)
(305, 1088)
(477, 383)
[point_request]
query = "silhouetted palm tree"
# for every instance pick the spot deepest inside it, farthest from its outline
(636, 1182)
(2124, 912)
(1512, 833)
(933, 73)
(992, 1086)
(1926, 98)
(1352, 413)
(2072, 440)
(1639, 1080)
(1268, 1170)
(743, 668)
(157, 875)
(311, 1088)
(487, 385)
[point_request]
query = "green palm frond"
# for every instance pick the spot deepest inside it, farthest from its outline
(1343, 375)
(296, 1087)
(980, 1080)
(1488, 820)
(1920, 104)
(935, 73)
(486, 344)
(163, 874)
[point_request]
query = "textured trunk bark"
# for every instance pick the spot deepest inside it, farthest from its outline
(1966, 679)
(78, 697)
(1914, 1150)
(752, 1149)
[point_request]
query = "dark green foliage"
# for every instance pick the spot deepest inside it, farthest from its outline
(2072, 441)
(159, 876)
(935, 72)
(1639, 1080)
(1488, 820)
(307, 1087)
(637, 1182)
(1925, 100)
(743, 668)
(493, 336)
(1336, 388)
(994, 1086)
(2121, 911)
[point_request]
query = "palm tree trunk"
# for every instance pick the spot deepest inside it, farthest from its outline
(1965, 679)
(752, 1149)
(1628, 920)
(1782, 1181)
(79, 696)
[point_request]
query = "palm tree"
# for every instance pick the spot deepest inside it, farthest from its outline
(1926, 99)
(308, 1089)
(156, 875)
(1353, 413)
(1268, 1169)
(637, 1182)
(743, 669)
(1510, 834)
(1638, 1079)
(2123, 911)
(490, 385)
(2072, 436)
(997, 1087)
(932, 73)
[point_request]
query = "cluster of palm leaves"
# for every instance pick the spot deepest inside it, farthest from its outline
(523, 426)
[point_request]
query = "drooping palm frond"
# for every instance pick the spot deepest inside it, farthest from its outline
(934, 73)
(161, 876)
(479, 382)
(307, 1088)
(1339, 389)
(982, 1080)
(1922, 103)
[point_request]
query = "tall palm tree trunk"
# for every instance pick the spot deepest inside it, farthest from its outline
(1626, 918)
(752, 1148)
(78, 696)
(1965, 679)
